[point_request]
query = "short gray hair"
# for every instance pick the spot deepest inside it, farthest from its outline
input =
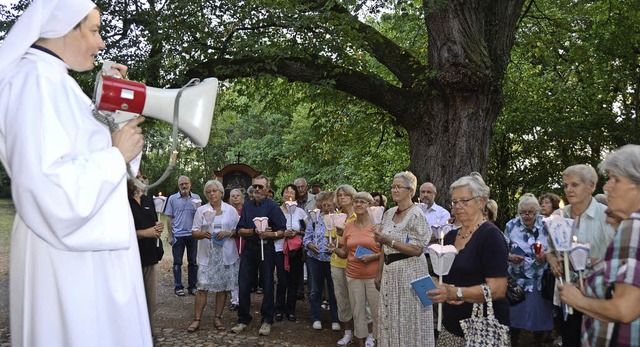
(586, 173)
(474, 182)
(528, 200)
(623, 162)
(409, 179)
(211, 183)
(349, 190)
(363, 196)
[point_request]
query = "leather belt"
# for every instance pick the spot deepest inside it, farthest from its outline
(390, 258)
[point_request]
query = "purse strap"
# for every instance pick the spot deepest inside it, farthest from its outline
(478, 307)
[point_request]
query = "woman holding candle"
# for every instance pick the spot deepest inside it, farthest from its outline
(589, 217)
(527, 239)
(610, 303)
(482, 258)
(218, 266)
(289, 255)
(344, 201)
(405, 233)
(318, 263)
(361, 272)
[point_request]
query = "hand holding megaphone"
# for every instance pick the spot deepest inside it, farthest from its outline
(129, 139)
(113, 69)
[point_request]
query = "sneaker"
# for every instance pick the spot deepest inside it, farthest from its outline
(278, 317)
(265, 329)
(240, 328)
(259, 290)
(233, 307)
(335, 326)
(345, 340)
(370, 342)
(193, 291)
(180, 292)
(317, 325)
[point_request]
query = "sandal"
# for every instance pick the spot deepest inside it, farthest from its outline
(217, 323)
(192, 328)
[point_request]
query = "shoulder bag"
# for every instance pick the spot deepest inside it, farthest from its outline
(481, 331)
(515, 293)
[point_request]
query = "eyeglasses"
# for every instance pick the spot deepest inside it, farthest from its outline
(398, 187)
(360, 202)
(258, 186)
(527, 213)
(462, 202)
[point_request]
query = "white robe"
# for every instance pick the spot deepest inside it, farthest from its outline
(75, 277)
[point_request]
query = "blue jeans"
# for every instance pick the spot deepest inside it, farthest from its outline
(288, 281)
(179, 245)
(319, 272)
(250, 261)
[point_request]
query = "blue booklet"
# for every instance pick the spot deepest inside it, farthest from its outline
(518, 251)
(421, 286)
(360, 251)
(218, 243)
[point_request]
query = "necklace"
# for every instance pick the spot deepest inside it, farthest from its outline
(398, 211)
(470, 231)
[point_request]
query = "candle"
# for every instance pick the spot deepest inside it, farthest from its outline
(440, 281)
(240, 251)
(567, 276)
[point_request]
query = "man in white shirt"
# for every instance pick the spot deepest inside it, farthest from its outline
(436, 215)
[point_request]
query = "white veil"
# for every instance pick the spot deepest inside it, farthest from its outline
(42, 19)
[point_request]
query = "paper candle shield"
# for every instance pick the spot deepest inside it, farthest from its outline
(578, 256)
(159, 202)
(559, 228)
(314, 214)
(197, 203)
(291, 206)
(443, 229)
(339, 219)
(442, 258)
(328, 221)
(375, 213)
(261, 223)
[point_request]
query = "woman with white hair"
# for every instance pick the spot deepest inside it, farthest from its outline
(610, 301)
(75, 277)
(482, 258)
(527, 239)
(218, 263)
(591, 227)
(405, 233)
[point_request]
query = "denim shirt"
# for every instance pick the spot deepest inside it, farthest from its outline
(318, 238)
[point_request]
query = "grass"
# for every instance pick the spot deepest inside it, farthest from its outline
(7, 212)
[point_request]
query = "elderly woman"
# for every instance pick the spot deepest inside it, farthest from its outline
(318, 263)
(579, 183)
(289, 256)
(482, 258)
(361, 270)
(610, 303)
(549, 202)
(527, 240)
(344, 201)
(236, 199)
(218, 263)
(402, 319)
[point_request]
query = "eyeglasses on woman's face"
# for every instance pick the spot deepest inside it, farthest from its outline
(462, 202)
(528, 213)
(394, 187)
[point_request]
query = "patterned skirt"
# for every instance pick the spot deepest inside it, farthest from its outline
(216, 276)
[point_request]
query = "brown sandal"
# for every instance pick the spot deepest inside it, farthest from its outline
(192, 328)
(217, 323)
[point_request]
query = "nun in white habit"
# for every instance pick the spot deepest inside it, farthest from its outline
(75, 269)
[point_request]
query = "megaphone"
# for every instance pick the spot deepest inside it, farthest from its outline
(127, 99)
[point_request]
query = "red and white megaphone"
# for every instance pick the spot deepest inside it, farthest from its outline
(126, 99)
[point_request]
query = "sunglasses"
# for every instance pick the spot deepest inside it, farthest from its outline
(258, 186)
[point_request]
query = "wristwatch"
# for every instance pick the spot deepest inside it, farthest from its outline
(459, 293)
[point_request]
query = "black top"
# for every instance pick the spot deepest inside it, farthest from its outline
(144, 216)
(484, 256)
(266, 208)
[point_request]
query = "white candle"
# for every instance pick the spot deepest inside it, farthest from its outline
(567, 276)
(440, 304)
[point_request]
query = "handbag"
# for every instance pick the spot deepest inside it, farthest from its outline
(548, 284)
(481, 331)
(515, 293)
(159, 250)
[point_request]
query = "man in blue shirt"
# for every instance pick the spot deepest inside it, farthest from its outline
(251, 259)
(181, 207)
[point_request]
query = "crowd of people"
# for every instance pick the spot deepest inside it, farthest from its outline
(81, 255)
(368, 294)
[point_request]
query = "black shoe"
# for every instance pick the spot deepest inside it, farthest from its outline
(279, 317)
(300, 296)
(179, 292)
(291, 317)
(233, 307)
(259, 290)
(193, 291)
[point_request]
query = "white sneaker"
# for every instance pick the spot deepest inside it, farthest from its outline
(335, 326)
(317, 325)
(239, 328)
(265, 329)
(345, 340)
(370, 342)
